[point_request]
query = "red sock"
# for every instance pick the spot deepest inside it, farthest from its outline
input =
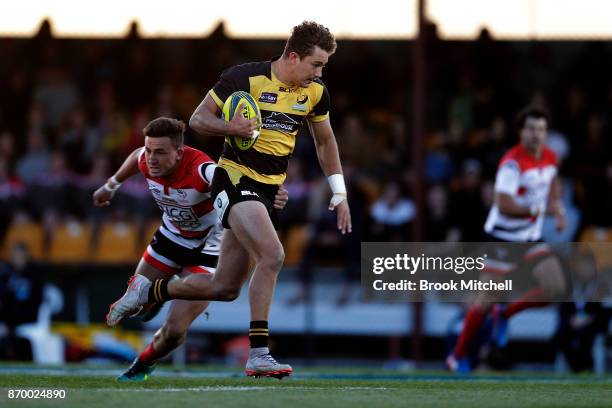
(473, 320)
(149, 355)
(533, 298)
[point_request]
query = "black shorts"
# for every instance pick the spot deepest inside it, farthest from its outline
(225, 194)
(170, 257)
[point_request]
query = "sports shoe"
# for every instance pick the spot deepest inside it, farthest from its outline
(263, 364)
(458, 365)
(500, 326)
(138, 371)
(132, 300)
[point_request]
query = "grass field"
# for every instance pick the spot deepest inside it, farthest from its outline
(201, 387)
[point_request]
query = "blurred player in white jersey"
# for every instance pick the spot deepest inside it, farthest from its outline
(526, 189)
(188, 240)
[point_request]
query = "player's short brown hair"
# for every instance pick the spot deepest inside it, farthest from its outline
(166, 127)
(305, 36)
(530, 111)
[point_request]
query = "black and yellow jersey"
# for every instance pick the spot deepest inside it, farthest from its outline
(283, 111)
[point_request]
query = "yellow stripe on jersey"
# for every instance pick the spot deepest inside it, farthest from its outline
(247, 171)
(215, 98)
(319, 90)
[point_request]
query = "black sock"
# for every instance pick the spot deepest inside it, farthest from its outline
(158, 292)
(258, 334)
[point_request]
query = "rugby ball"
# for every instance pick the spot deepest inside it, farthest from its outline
(249, 110)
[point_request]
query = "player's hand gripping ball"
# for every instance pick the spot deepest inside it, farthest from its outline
(249, 110)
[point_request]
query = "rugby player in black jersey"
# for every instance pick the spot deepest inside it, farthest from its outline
(290, 94)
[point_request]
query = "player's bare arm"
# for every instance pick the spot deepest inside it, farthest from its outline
(509, 207)
(329, 159)
(555, 204)
(102, 196)
(206, 121)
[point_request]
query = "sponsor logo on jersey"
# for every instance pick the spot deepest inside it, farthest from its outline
(268, 97)
(285, 89)
(281, 122)
(183, 217)
(181, 193)
(301, 103)
(249, 193)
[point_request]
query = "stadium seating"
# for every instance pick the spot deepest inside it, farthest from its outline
(117, 243)
(295, 243)
(70, 243)
(29, 233)
(145, 238)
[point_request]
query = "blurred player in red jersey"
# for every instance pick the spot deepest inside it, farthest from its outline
(526, 189)
(189, 238)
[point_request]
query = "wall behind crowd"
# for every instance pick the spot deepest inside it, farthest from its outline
(71, 110)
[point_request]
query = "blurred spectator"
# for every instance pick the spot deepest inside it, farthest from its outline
(79, 142)
(8, 151)
(392, 213)
(494, 145)
(468, 211)
(438, 161)
(21, 284)
(50, 194)
(56, 94)
(559, 144)
(12, 193)
(35, 161)
(21, 293)
(438, 218)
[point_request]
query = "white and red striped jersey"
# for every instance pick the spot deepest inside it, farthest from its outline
(184, 197)
(528, 180)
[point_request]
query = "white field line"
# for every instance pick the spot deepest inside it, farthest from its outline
(228, 388)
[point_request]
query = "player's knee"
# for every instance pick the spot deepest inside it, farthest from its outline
(273, 260)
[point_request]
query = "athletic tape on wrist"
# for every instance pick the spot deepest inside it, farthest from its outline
(336, 183)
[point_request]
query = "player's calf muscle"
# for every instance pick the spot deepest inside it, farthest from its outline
(202, 287)
(173, 333)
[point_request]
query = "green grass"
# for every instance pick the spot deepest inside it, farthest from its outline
(432, 389)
